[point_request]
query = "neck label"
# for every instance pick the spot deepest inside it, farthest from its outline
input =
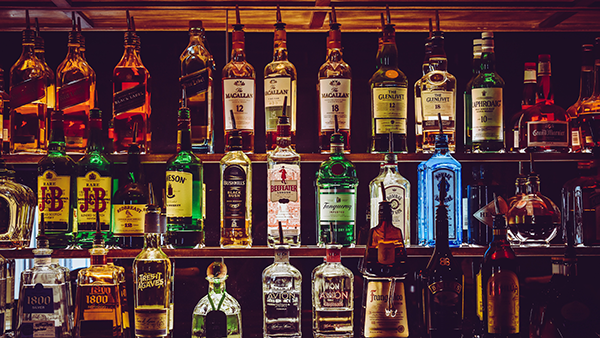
(239, 97)
(74, 93)
(335, 99)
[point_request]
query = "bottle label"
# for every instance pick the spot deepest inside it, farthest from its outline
(386, 253)
(337, 205)
(377, 323)
(53, 200)
(239, 98)
(434, 102)
(502, 291)
(335, 100)
(38, 300)
(575, 139)
(28, 91)
(548, 134)
(335, 292)
(128, 219)
(234, 197)
(93, 195)
(37, 329)
(74, 93)
(445, 302)
(129, 99)
(389, 110)
(151, 322)
(450, 201)
(280, 301)
(487, 114)
(479, 295)
(179, 192)
(276, 89)
(283, 205)
(100, 300)
(195, 83)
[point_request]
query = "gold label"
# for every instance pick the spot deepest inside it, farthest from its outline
(386, 253)
(179, 194)
(53, 197)
(150, 280)
(93, 195)
(128, 219)
(503, 303)
(151, 321)
(478, 296)
(377, 324)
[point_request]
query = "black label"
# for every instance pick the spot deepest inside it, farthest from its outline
(96, 329)
(38, 299)
(129, 99)
(92, 227)
(195, 83)
(548, 133)
(234, 196)
(26, 92)
(74, 93)
(216, 324)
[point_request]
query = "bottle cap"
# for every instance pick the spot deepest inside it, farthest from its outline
(216, 270)
(279, 24)
(333, 253)
(152, 219)
(487, 35)
(195, 24)
(28, 33)
(337, 138)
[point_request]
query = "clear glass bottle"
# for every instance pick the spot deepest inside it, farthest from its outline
(197, 83)
(527, 101)
(40, 53)
(217, 314)
(18, 205)
(468, 102)
(579, 204)
(586, 89)
(417, 89)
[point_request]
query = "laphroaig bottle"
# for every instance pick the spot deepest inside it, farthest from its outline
(586, 88)
(468, 102)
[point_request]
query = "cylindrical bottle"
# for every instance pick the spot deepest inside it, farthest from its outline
(468, 102)
(586, 88)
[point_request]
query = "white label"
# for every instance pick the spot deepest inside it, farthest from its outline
(575, 138)
(396, 195)
(389, 110)
(276, 88)
(465, 221)
(335, 100)
(516, 139)
(487, 114)
(42, 329)
(337, 205)
(377, 323)
(179, 194)
(436, 101)
(450, 200)
(239, 98)
(283, 194)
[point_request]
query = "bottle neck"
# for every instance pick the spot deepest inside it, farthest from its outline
(280, 52)
(596, 78)
(134, 166)
(98, 259)
(437, 59)
(282, 254)
(586, 85)
(533, 185)
(217, 287)
(28, 49)
(152, 241)
(184, 134)
(425, 67)
(389, 55)
(499, 235)
(476, 63)
(238, 52)
(488, 60)
(57, 136)
(95, 143)
(283, 135)
(337, 149)
(544, 84)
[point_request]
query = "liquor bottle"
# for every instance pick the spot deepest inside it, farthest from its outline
(528, 101)
(332, 296)
(441, 164)
(124, 300)
(389, 91)
(184, 190)
(397, 190)
(197, 76)
(55, 183)
(94, 184)
(44, 296)
(488, 107)
(443, 280)
(334, 90)
(131, 97)
(480, 205)
(98, 303)
(81, 39)
(280, 84)
(19, 204)
(283, 187)
(578, 207)
(28, 99)
(545, 126)
(239, 87)
(336, 184)
(5, 115)
(76, 93)
(468, 102)
(438, 95)
(152, 280)
(590, 109)
(282, 297)
(236, 193)
(217, 314)
(586, 88)
(418, 85)
(10, 316)
(49, 77)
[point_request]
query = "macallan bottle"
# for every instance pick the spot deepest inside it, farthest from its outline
(238, 90)
(280, 83)
(334, 90)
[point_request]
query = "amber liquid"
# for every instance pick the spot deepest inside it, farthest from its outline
(123, 124)
(28, 125)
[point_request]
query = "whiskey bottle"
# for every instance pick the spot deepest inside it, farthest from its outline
(239, 89)
(152, 280)
(280, 84)
(217, 314)
(443, 281)
(94, 185)
(184, 190)
(197, 76)
(4, 114)
(28, 99)
(389, 90)
(586, 88)
(283, 187)
(236, 193)
(590, 109)
(578, 207)
(131, 97)
(334, 90)
(40, 53)
(528, 101)
(468, 101)
(19, 204)
(55, 183)
(417, 88)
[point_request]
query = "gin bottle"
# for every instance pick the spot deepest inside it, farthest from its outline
(217, 314)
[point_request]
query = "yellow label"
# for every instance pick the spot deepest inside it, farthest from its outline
(151, 321)
(179, 194)
(128, 219)
(377, 323)
(390, 103)
(437, 101)
(478, 296)
(93, 195)
(502, 292)
(53, 197)
(386, 253)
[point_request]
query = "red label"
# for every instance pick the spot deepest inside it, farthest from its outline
(74, 93)
(26, 92)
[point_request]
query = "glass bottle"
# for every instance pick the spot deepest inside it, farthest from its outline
(528, 101)
(332, 296)
(389, 101)
(49, 77)
(417, 88)
(5, 114)
(75, 93)
(590, 109)
(197, 83)
(56, 180)
(12, 308)
(280, 83)
(481, 203)
(334, 90)
(468, 102)
(94, 185)
(579, 204)
(28, 99)
(586, 88)
(152, 280)
(131, 97)
(283, 187)
(217, 314)
(184, 190)
(239, 90)
(17, 204)
(488, 107)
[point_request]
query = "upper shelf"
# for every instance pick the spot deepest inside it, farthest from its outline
(305, 15)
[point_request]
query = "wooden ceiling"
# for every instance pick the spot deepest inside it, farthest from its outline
(305, 15)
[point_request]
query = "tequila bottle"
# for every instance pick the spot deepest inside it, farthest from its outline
(217, 314)
(280, 84)
(468, 102)
(18, 204)
(40, 53)
(184, 190)
(586, 88)
(94, 184)
(417, 88)
(197, 76)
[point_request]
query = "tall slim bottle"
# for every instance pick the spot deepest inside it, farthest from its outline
(239, 89)
(586, 88)
(590, 109)
(468, 102)
(417, 88)
(527, 101)
(40, 53)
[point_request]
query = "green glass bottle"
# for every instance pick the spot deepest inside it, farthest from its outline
(94, 183)
(56, 172)
(336, 184)
(184, 190)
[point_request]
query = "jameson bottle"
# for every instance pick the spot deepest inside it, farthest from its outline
(197, 76)
(184, 190)
(389, 91)
(468, 103)
(56, 196)
(280, 83)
